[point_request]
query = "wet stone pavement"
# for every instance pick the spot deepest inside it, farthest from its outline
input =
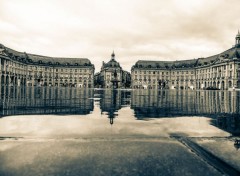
(68, 131)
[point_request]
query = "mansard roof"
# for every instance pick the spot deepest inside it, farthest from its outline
(165, 64)
(112, 63)
(232, 53)
(38, 59)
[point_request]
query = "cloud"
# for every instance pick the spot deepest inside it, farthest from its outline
(137, 29)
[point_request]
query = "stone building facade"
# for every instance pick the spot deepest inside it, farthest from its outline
(21, 68)
(112, 75)
(221, 71)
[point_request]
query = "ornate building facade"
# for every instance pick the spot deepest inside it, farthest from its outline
(221, 71)
(21, 68)
(112, 75)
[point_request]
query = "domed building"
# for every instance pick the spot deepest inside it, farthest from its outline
(112, 75)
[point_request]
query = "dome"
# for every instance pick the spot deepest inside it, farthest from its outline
(112, 63)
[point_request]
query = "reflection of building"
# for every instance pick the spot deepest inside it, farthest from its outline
(28, 69)
(221, 71)
(112, 75)
(230, 123)
(113, 100)
(45, 100)
(155, 103)
(223, 107)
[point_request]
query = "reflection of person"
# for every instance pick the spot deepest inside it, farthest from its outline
(237, 144)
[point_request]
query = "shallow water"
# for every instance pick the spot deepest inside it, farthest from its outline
(72, 113)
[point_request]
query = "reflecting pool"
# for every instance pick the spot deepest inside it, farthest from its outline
(220, 108)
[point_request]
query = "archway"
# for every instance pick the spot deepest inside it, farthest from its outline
(15, 80)
(21, 82)
(218, 85)
(7, 80)
(222, 85)
(214, 84)
(2, 80)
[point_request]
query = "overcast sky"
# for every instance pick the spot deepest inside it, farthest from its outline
(134, 29)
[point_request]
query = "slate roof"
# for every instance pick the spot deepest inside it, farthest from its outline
(232, 53)
(38, 59)
(112, 63)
